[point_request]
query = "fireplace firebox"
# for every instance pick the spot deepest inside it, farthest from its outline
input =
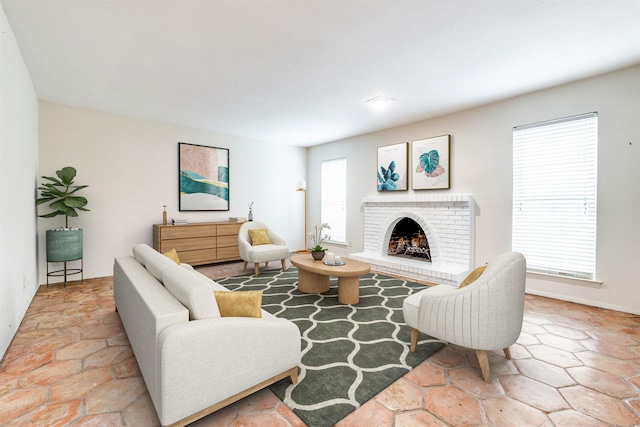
(409, 240)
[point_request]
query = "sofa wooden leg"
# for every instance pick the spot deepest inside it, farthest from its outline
(294, 375)
(507, 353)
(484, 365)
(256, 268)
(414, 339)
(284, 263)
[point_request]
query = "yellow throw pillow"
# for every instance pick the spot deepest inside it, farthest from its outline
(172, 255)
(259, 236)
(239, 303)
(472, 277)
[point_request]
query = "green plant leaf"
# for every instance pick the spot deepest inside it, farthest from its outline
(66, 174)
(51, 191)
(43, 200)
(75, 201)
(51, 214)
(77, 188)
(54, 180)
(59, 206)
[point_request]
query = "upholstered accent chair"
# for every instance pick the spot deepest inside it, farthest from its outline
(485, 315)
(263, 247)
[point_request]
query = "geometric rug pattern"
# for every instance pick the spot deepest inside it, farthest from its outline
(350, 353)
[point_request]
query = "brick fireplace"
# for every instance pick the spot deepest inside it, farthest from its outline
(448, 222)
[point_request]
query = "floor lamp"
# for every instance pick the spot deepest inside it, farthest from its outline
(301, 185)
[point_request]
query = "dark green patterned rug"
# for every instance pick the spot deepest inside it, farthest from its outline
(350, 353)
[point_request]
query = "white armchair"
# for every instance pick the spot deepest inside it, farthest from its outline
(485, 315)
(277, 250)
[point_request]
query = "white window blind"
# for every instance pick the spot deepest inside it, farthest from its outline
(334, 198)
(554, 195)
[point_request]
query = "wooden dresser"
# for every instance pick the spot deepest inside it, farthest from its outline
(199, 243)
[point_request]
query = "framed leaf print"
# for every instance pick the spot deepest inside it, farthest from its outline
(204, 178)
(430, 163)
(392, 167)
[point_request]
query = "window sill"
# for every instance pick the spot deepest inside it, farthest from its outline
(330, 242)
(566, 279)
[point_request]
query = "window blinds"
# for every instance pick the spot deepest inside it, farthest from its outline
(334, 198)
(554, 195)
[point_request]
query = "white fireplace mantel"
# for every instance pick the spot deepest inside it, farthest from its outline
(448, 221)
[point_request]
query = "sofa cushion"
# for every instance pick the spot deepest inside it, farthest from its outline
(157, 264)
(239, 303)
(172, 255)
(152, 260)
(193, 290)
(141, 253)
(472, 277)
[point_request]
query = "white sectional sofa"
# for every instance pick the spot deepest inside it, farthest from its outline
(193, 361)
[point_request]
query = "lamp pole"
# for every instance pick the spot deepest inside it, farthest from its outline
(302, 186)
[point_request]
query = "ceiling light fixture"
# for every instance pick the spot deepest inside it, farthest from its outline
(380, 102)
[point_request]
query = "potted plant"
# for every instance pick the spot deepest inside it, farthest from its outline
(63, 243)
(317, 251)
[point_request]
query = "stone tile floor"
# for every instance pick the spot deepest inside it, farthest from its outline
(70, 364)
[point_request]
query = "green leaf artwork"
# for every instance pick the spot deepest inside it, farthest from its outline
(386, 179)
(429, 161)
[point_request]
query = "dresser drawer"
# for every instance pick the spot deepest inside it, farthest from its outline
(228, 253)
(187, 231)
(226, 241)
(205, 256)
(189, 244)
(229, 229)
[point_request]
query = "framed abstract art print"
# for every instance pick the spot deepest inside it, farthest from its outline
(204, 178)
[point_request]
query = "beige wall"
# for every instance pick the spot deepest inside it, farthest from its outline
(131, 167)
(481, 165)
(18, 172)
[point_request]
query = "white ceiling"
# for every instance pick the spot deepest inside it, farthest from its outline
(298, 71)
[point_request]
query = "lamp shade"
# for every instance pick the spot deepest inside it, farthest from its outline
(301, 185)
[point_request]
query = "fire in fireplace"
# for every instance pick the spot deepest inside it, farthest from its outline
(409, 240)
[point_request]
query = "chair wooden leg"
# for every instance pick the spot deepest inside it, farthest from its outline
(294, 375)
(484, 365)
(507, 353)
(266, 264)
(284, 263)
(256, 268)
(245, 265)
(414, 339)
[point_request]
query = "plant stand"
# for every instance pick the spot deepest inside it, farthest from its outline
(64, 246)
(66, 271)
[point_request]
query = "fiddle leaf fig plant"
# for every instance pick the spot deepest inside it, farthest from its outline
(61, 192)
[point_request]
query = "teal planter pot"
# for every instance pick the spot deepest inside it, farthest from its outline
(64, 245)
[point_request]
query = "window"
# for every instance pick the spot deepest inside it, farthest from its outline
(334, 198)
(554, 195)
